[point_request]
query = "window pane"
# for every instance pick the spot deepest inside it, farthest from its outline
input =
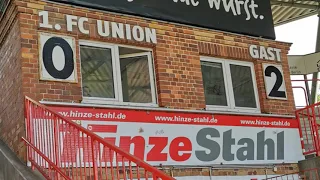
(135, 76)
(214, 86)
(243, 86)
(97, 73)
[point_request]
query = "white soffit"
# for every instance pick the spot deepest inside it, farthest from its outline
(285, 11)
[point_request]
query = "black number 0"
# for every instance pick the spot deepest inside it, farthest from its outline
(47, 54)
(275, 90)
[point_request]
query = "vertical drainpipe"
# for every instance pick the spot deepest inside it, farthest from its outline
(315, 84)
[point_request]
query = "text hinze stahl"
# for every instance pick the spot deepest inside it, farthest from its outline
(104, 28)
(211, 145)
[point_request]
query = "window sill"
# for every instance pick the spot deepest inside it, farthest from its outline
(157, 108)
(94, 102)
(235, 110)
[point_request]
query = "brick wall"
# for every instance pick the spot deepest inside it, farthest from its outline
(245, 172)
(12, 126)
(176, 55)
(240, 171)
(237, 49)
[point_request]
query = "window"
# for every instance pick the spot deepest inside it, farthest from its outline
(114, 74)
(229, 85)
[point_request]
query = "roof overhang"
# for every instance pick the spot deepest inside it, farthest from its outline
(286, 11)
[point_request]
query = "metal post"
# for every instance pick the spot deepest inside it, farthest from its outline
(94, 160)
(314, 88)
(307, 89)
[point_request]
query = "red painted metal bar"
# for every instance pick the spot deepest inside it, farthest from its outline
(46, 159)
(308, 119)
(307, 130)
(316, 114)
(62, 149)
(305, 92)
(300, 133)
(291, 176)
(303, 80)
(309, 106)
(315, 130)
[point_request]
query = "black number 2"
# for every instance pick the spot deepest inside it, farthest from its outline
(275, 90)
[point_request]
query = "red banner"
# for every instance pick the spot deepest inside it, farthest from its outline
(146, 116)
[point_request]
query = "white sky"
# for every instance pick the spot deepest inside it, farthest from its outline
(303, 35)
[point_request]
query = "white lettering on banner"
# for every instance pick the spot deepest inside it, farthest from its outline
(236, 6)
(261, 52)
(104, 28)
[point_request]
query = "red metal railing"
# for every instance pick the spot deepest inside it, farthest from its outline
(305, 93)
(311, 174)
(62, 149)
(305, 89)
(309, 120)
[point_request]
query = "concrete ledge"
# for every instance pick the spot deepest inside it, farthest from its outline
(11, 168)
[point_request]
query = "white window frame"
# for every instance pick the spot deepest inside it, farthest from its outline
(114, 73)
(118, 100)
(151, 75)
(229, 87)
